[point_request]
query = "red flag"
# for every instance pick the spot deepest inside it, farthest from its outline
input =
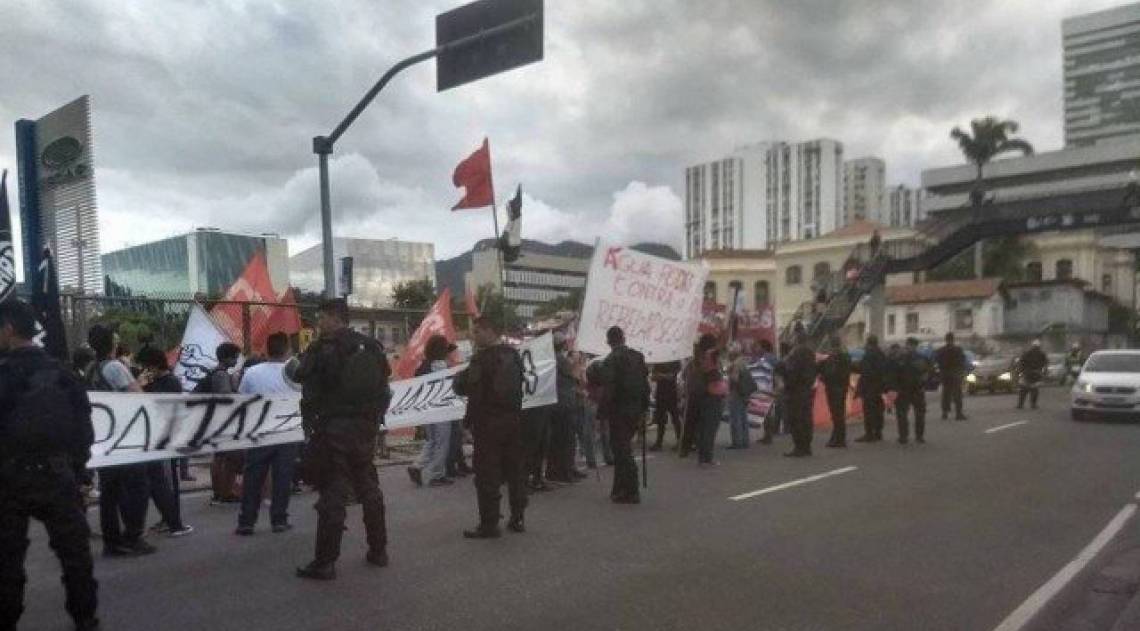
(436, 322)
(474, 174)
(472, 308)
(253, 285)
(285, 319)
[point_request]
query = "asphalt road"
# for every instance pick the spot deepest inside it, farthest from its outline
(954, 534)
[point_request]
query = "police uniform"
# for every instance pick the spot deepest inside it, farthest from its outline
(835, 372)
(873, 370)
(45, 440)
(625, 380)
(341, 426)
(493, 383)
(912, 370)
(951, 360)
(799, 372)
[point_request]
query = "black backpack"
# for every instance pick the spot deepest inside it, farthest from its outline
(364, 372)
(40, 417)
(745, 384)
(96, 382)
(632, 379)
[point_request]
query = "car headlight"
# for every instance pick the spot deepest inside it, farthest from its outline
(1084, 386)
(971, 378)
(1005, 376)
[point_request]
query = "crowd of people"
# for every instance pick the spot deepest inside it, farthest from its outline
(602, 406)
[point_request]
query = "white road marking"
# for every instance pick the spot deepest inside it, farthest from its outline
(1046, 592)
(1006, 426)
(788, 485)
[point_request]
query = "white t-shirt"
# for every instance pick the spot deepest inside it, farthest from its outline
(265, 378)
(117, 375)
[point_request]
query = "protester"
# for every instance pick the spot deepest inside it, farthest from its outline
(799, 373)
(585, 414)
(268, 379)
(694, 386)
(493, 383)
(775, 414)
(1031, 369)
(123, 489)
(156, 377)
(708, 391)
(835, 373)
(873, 370)
(344, 376)
(560, 465)
(436, 450)
(535, 438)
(665, 401)
(952, 368)
(741, 387)
(625, 401)
(596, 391)
(226, 466)
(912, 371)
(45, 441)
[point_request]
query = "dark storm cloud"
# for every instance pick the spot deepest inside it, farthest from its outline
(204, 111)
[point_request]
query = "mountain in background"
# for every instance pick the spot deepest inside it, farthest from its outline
(450, 272)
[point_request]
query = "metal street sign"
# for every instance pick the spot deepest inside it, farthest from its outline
(498, 51)
(346, 280)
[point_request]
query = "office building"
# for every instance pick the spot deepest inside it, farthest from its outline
(206, 261)
(533, 279)
(377, 267)
(864, 181)
(762, 194)
(57, 196)
(903, 207)
(1102, 75)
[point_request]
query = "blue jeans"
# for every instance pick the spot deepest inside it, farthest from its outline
(437, 448)
(281, 459)
(738, 420)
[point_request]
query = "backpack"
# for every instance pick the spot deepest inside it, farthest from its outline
(206, 384)
(632, 379)
(40, 418)
(96, 382)
(506, 382)
(364, 373)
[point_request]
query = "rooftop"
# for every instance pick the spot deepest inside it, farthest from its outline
(943, 291)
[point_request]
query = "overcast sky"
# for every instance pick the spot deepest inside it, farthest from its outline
(204, 110)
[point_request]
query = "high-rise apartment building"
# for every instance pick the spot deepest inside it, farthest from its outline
(864, 180)
(763, 194)
(1102, 75)
(903, 207)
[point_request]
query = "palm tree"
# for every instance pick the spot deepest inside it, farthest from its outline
(991, 137)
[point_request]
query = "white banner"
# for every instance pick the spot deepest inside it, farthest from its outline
(657, 302)
(200, 341)
(142, 427)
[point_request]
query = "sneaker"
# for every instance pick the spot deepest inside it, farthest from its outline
(479, 532)
(416, 476)
(180, 532)
(317, 572)
(285, 527)
(516, 524)
(244, 531)
(865, 439)
(379, 559)
(441, 482)
(160, 527)
(140, 547)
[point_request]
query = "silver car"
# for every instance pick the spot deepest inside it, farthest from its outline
(1108, 386)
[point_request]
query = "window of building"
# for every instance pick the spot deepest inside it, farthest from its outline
(964, 319)
(1033, 271)
(1106, 283)
(735, 288)
(821, 271)
(760, 295)
(891, 324)
(710, 291)
(793, 275)
(911, 323)
(1064, 269)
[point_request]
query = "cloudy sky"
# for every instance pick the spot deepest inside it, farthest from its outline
(204, 110)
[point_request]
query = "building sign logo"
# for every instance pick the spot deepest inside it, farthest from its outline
(64, 157)
(7, 269)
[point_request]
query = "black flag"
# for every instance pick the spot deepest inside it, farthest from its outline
(511, 241)
(45, 299)
(7, 253)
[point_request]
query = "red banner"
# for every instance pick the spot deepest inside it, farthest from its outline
(255, 286)
(436, 322)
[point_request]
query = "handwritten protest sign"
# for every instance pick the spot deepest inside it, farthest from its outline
(657, 302)
(143, 427)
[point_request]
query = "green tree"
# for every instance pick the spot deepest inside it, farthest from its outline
(570, 302)
(493, 305)
(414, 294)
(137, 329)
(988, 138)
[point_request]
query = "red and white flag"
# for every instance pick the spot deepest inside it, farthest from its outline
(255, 286)
(437, 322)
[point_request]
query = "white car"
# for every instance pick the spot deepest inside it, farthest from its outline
(1108, 386)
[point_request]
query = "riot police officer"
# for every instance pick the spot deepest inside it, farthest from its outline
(345, 394)
(1031, 367)
(45, 440)
(835, 372)
(912, 371)
(493, 384)
(625, 380)
(799, 372)
(873, 370)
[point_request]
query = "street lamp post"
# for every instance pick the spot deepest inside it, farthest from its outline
(507, 54)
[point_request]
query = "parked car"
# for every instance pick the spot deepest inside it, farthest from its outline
(991, 374)
(1108, 386)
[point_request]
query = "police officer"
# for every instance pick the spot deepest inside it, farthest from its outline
(911, 374)
(625, 380)
(873, 370)
(345, 394)
(665, 399)
(493, 384)
(1031, 365)
(835, 372)
(799, 372)
(952, 369)
(45, 440)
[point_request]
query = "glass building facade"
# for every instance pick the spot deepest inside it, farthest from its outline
(377, 267)
(205, 261)
(1102, 75)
